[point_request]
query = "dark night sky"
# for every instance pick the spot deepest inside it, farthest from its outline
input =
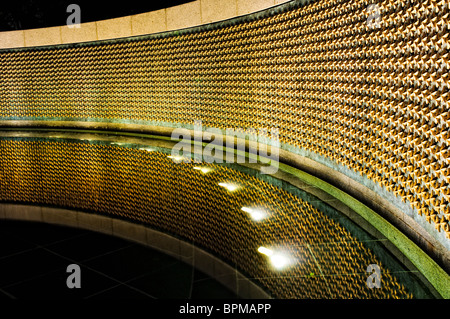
(29, 14)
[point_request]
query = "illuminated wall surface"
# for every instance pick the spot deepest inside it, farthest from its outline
(372, 101)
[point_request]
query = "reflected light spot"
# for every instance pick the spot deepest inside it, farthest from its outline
(265, 251)
(228, 186)
(175, 158)
(278, 260)
(255, 214)
(204, 170)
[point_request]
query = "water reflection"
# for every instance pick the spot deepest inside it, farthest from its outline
(285, 238)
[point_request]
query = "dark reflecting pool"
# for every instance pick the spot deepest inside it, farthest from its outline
(34, 266)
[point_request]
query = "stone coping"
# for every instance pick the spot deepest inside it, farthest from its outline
(187, 15)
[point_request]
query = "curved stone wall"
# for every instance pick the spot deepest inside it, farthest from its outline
(369, 100)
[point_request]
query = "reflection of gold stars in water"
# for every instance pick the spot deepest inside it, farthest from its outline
(295, 251)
